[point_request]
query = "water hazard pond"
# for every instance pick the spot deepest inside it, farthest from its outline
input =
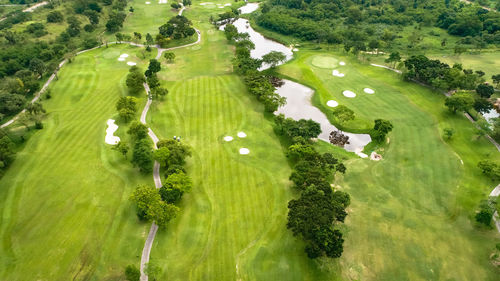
(298, 105)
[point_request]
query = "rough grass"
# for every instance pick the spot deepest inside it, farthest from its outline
(64, 205)
(410, 213)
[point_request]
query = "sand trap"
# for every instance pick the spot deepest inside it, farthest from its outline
(228, 138)
(206, 3)
(337, 73)
(242, 135)
(342, 63)
(227, 4)
(131, 63)
(349, 94)
(162, 2)
(369, 91)
(295, 49)
(332, 103)
(244, 151)
(110, 138)
(121, 59)
(147, 3)
(124, 56)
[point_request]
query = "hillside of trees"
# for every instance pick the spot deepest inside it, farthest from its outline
(375, 24)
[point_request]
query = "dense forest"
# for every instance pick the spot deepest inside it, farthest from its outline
(375, 24)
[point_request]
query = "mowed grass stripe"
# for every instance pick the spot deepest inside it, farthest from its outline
(65, 197)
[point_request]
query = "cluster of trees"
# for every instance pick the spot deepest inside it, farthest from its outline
(177, 27)
(356, 24)
(150, 206)
(7, 153)
(153, 81)
(27, 57)
(258, 84)
(490, 169)
(315, 215)
(172, 154)
(440, 75)
(486, 210)
(126, 107)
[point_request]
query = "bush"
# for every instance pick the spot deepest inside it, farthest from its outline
(55, 16)
(132, 273)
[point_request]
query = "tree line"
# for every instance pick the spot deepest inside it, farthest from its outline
(363, 25)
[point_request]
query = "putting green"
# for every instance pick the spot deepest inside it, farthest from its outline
(64, 205)
(410, 210)
(325, 61)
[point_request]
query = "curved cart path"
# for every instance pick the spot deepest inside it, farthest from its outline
(146, 251)
(51, 78)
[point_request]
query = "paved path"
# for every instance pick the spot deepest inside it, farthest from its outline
(34, 7)
(51, 78)
(146, 251)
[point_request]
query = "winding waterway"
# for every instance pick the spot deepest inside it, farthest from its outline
(298, 97)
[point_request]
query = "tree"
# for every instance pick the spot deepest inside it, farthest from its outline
(459, 102)
(459, 49)
(169, 56)
(144, 197)
(137, 36)
(483, 128)
(7, 152)
(131, 9)
(37, 66)
(162, 212)
(121, 147)
(448, 133)
(381, 129)
(482, 105)
(175, 186)
(132, 273)
(175, 5)
(142, 155)
(35, 108)
(149, 39)
(153, 271)
(496, 79)
(55, 16)
(161, 155)
(339, 139)
(343, 114)
(135, 80)
(138, 130)
(230, 31)
(393, 58)
(127, 107)
(154, 67)
(485, 90)
(274, 58)
(159, 92)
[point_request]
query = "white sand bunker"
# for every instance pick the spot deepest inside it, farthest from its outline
(206, 3)
(162, 2)
(332, 103)
(121, 59)
(359, 152)
(131, 63)
(147, 3)
(369, 91)
(337, 73)
(242, 135)
(342, 63)
(110, 138)
(244, 151)
(349, 94)
(228, 138)
(295, 49)
(124, 56)
(375, 157)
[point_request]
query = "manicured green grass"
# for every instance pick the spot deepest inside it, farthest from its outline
(487, 62)
(232, 223)
(65, 213)
(145, 18)
(411, 213)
